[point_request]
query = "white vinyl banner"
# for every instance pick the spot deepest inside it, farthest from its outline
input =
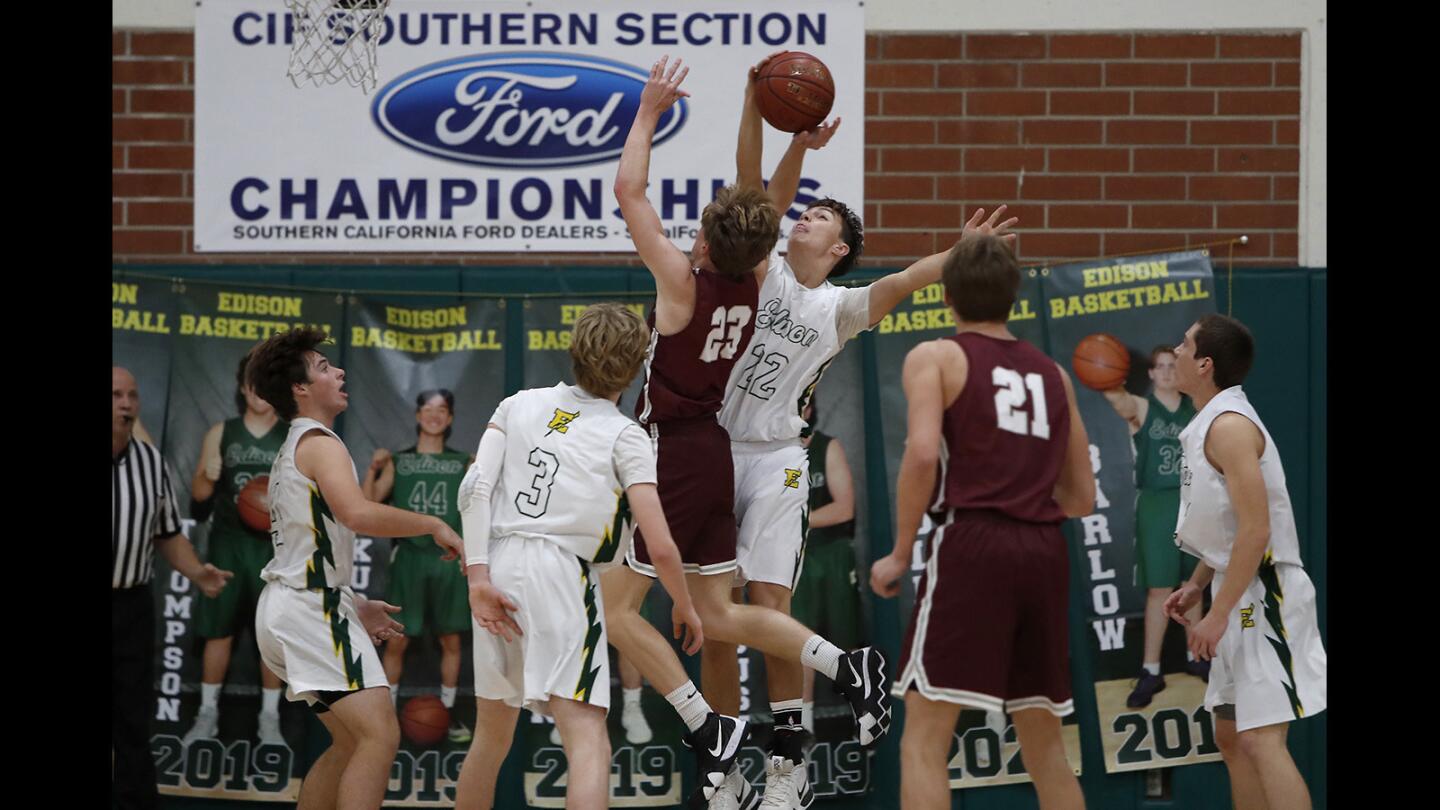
(497, 126)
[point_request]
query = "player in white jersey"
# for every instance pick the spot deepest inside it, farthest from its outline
(1268, 663)
(313, 630)
(557, 474)
(802, 323)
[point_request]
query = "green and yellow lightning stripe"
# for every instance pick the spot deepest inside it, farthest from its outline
(610, 540)
(1270, 579)
(586, 684)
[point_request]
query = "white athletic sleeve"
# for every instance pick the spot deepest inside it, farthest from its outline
(634, 458)
(852, 314)
(475, 491)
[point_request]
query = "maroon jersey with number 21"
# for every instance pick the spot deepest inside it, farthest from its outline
(1007, 432)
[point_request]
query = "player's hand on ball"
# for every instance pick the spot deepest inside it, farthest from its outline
(755, 73)
(663, 88)
(687, 625)
(1179, 603)
(979, 224)
(380, 459)
(885, 575)
(492, 610)
(375, 618)
(819, 136)
(212, 580)
(1205, 636)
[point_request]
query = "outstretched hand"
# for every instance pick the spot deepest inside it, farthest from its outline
(819, 136)
(663, 86)
(375, 618)
(979, 224)
(492, 610)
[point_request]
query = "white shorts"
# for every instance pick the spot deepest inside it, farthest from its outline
(562, 651)
(772, 508)
(1270, 664)
(314, 642)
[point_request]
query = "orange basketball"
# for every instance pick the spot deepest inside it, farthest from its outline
(1101, 362)
(794, 91)
(253, 503)
(424, 720)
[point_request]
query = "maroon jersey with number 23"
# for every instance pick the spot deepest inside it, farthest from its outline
(685, 373)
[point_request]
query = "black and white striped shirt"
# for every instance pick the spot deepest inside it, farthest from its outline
(142, 508)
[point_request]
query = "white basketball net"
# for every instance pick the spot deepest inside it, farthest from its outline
(334, 40)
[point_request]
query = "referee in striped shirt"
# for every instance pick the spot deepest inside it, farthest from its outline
(143, 519)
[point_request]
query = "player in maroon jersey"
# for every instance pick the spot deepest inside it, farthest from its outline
(989, 629)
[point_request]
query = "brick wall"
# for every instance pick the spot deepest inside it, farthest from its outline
(1101, 143)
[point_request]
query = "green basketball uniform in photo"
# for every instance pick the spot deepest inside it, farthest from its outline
(1159, 563)
(431, 592)
(233, 545)
(827, 597)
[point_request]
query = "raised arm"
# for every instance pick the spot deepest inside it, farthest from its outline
(1130, 407)
(207, 472)
(888, 292)
(674, 284)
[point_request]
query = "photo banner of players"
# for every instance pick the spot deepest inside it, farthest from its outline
(142, 317)
(496, 126)
(215, 326)
(395, 350)
(986, 749)
(649, 772)
(1141, 303)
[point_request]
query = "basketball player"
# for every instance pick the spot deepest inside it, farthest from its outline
(990, 626)
(233, 452)
(802, 323)
(1155, 423)
(1260, 633)
(426, 478)
(557, 472)
(309, 621)
(702, 321)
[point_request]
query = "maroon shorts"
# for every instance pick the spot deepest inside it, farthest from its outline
(990, 628)
(697, 492)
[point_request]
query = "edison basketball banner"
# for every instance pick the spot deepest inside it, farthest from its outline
(1110, 323)
(496, 126)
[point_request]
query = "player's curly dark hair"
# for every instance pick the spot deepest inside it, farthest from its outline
(281, 362)
(429, 394)
(1229, 345)
(852, 233)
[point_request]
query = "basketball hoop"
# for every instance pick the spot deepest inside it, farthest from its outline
(334, 41)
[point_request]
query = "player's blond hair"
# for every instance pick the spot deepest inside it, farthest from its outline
(607, 348)
(741, 227)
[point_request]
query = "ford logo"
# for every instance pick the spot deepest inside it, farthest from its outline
(519, 110)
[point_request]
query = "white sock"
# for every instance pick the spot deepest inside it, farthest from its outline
(1153, 669)
(788, 713)
(631, 696)
(270, 701)
(447, 695)
(210, 695)
(690, 705)
(807, 716)
(394, 695)
(821, 656)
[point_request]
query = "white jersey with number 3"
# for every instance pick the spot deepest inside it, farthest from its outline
(569, 457)
(798, 331)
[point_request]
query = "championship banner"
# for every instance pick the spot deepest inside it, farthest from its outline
(452, 355)
(496, 126)
(214, 328)
(142, 315)
(1104, 316)
(986, 748)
